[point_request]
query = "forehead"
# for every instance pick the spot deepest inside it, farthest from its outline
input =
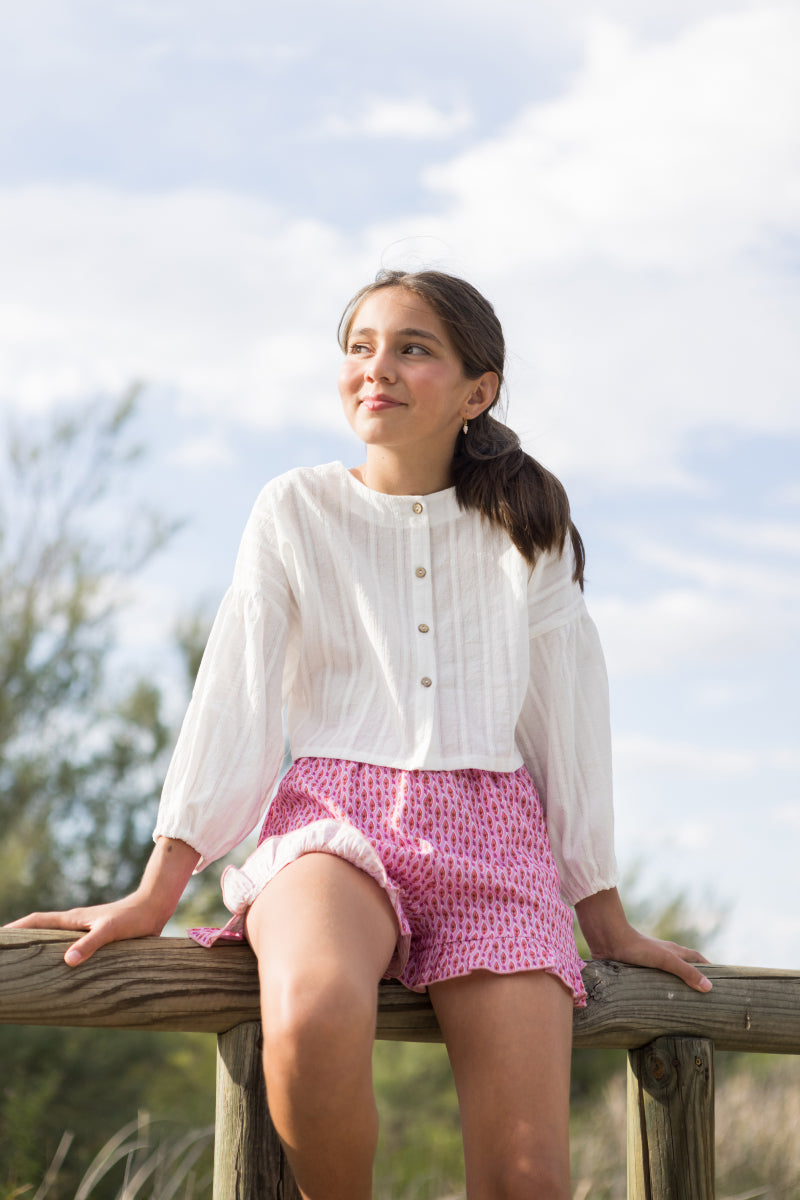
(396, 308)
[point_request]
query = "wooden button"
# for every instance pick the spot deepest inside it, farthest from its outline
(423, 628)
(425, 681)
(418, 507)
(420, 572)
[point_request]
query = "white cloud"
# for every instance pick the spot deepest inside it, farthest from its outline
(630, 232)
(741, 576)
(413, 119)
(208, 450)
(682, 627)
(717, 696)
(264, 53)
(779, 537)
(219, 296)
(641, 755)
(706, 608)
(693, 836)
(758, 935)
(788, 494)
(660, 761)
(788, 814)
(627, 230)
(662, 154)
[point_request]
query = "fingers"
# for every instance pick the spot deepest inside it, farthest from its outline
(77, 952)
(85, 947)
(52, 920)
(685, 952)
(667, 956)
(100, 924)
(676, 964)
(695, 979)
(100, 930)
(692, 956)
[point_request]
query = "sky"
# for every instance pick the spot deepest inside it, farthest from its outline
(190, 192)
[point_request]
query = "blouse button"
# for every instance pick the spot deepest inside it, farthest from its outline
(420, 572)
(425, 681)
(423, 628)
(418, 507)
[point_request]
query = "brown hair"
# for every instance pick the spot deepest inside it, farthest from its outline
(491, 472)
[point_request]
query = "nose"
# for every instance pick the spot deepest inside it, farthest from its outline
(380, 365)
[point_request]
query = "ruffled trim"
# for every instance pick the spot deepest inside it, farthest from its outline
(439, 961)
(241, 885)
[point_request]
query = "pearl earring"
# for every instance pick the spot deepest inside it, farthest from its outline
(465, 426)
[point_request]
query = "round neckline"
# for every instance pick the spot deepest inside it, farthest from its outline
(383, 506)
(364, 488)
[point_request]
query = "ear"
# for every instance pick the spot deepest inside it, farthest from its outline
(484, 391)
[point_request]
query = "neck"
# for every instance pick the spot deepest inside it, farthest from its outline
(397, 475)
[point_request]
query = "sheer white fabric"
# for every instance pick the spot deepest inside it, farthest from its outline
(401, 631)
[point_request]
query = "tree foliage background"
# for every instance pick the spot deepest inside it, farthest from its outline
(84, 746)
(80, 753)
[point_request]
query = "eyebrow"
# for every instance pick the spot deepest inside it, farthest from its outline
(418, 333)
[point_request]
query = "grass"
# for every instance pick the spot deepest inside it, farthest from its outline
(757, 1118)
(141, 1162)
(757, 1123)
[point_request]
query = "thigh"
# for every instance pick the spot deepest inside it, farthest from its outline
(509, 1038)
(320, 918)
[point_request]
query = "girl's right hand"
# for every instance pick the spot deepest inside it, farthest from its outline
(130, 917)
(142, 914)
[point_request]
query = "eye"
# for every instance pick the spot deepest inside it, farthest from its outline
(357, 348)
(414, 348)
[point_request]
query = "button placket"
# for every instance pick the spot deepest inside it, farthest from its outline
(423, 658)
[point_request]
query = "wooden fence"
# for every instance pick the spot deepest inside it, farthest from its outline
(668, 1030)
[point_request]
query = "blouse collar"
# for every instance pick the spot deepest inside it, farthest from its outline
(436, 506)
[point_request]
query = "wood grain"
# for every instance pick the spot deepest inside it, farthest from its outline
(172, 983)
(249, 1160)
(671, 1120)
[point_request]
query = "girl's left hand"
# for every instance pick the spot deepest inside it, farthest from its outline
(610, 935)
(642, 951)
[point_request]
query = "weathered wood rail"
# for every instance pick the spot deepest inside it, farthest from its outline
(668, 1030)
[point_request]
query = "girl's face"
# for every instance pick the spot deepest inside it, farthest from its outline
(402, 383)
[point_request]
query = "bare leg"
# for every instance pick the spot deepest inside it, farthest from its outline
(509, 1039)
(324, 933)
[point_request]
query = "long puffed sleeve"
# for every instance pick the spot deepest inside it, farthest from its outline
(564, 731)
(231, 747)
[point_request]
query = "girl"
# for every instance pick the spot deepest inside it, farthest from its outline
(422, 615)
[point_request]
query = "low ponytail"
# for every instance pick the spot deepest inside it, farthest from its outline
(491, 472)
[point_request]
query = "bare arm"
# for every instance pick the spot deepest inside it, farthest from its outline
(610, 935)
(143, 913)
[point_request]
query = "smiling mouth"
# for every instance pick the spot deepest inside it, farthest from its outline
(379, 402)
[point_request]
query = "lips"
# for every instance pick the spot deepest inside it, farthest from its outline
(379, 402)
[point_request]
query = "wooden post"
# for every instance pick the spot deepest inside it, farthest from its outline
(671, 1120)
(249, 1161)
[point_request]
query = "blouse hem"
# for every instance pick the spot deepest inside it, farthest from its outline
(506, 764)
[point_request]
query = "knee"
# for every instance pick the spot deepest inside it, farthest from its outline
(315, 1017)
(523, 1176)
(523, 1167)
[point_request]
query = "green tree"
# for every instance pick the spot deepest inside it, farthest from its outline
(80, 762)
(83, 749)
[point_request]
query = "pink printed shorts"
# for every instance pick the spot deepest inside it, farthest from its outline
(462, 855)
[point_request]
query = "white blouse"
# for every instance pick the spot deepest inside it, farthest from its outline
(400, 631)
